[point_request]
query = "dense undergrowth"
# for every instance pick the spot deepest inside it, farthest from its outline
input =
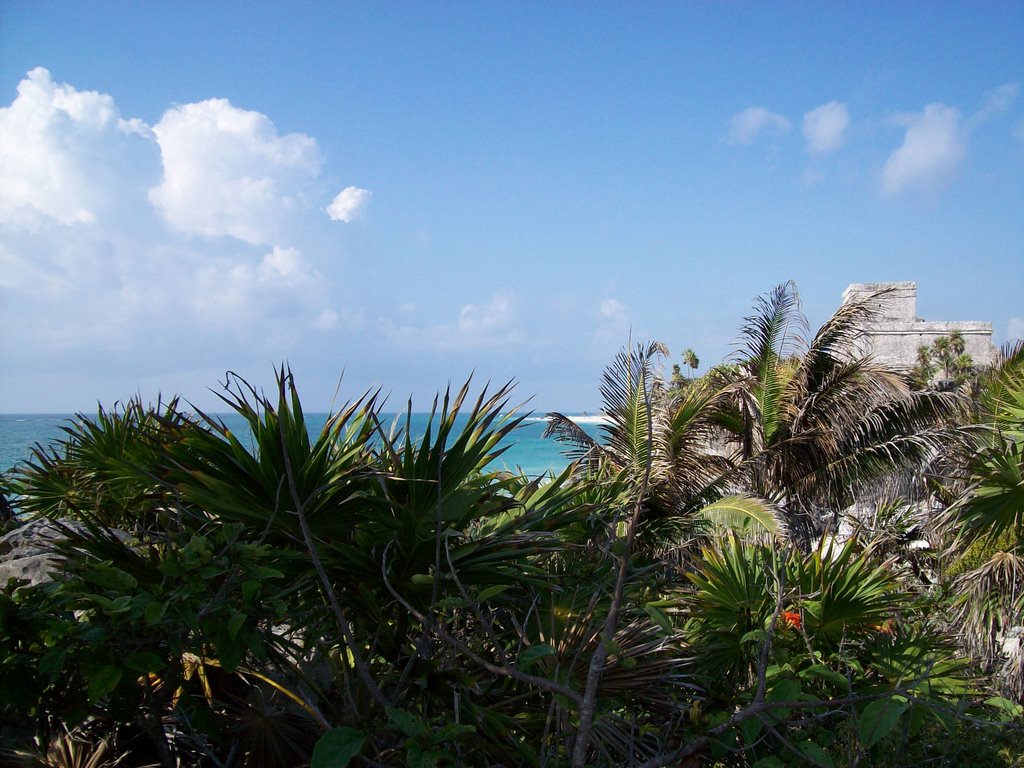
(799, 559)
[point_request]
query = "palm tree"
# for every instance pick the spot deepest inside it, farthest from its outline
(814, 420)
(691, 360)
(943, 349)
(662, 441)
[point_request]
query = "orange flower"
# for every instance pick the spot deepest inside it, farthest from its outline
(887, 627)
(792, 619)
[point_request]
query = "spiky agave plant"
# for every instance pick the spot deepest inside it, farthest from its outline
(109, 467)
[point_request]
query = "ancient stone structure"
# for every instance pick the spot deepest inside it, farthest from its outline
(897, 333)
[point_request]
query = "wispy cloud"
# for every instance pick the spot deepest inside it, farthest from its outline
(933, 148)
(825, 127)
(477, 326)
(611, 328)
(996, 101)
(746, 126)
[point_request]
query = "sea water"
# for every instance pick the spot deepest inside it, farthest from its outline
(526, 448)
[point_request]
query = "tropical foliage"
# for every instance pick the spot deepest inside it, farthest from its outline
(683, 593)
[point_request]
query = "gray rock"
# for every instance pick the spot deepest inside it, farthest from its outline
(26, 553)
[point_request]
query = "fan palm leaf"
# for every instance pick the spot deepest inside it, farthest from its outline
(815, 425)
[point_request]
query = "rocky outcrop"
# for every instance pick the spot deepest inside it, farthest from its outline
(26, 553)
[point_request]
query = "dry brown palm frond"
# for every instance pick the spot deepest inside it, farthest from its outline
(74, 749)
(992, 612)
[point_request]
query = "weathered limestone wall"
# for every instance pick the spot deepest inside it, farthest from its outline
(898, 305)
(896, 336)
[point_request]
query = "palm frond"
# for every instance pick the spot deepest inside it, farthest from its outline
(745, 514)
(581, 445)
(777, 328)
(626, 391)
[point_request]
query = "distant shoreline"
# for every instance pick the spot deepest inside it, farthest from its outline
(583, 418)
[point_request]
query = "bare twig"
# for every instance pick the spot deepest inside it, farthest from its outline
(339, 613)
(597, 661)
(504, 671)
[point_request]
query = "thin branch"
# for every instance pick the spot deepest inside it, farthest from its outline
(332, 598)
(597, 661)
(511, 672)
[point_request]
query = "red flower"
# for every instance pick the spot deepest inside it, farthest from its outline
(792, 619)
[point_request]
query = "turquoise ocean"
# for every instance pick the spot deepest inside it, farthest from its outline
(527, 449)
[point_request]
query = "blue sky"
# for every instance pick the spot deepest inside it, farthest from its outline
(412, 192)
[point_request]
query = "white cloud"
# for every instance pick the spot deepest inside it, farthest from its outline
(996, 101)
(93, 279)
(477, 326)
(932, 150)
(611, 329)
(326, 320)
(50, 138)
(350, 204)
(747, 125)
(227, 172)
(476, 320)
(613, 310)
(825, 127)
(1015, 329)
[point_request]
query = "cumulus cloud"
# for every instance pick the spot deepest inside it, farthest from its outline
(51, 137)
(88, 262)
(227, 172)
(746, 126)
(932, 150)
(242, 295)
(825, 127)
(350, 204)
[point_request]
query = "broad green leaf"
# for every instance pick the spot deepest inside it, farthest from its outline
(337, 747)
(492, 591)
(785, 689)
(406, 722)
(452, 601)
(825, 673)
(104, 681)
(1008, 710)
(877, 719)
(754, 636)
(528, 657)
(750, 729)
(815, 754)
(235, 623)
(659, 617)
(144, 661)
(416, 756)
(769, 762)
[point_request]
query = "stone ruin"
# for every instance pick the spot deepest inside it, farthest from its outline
(897, 332)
